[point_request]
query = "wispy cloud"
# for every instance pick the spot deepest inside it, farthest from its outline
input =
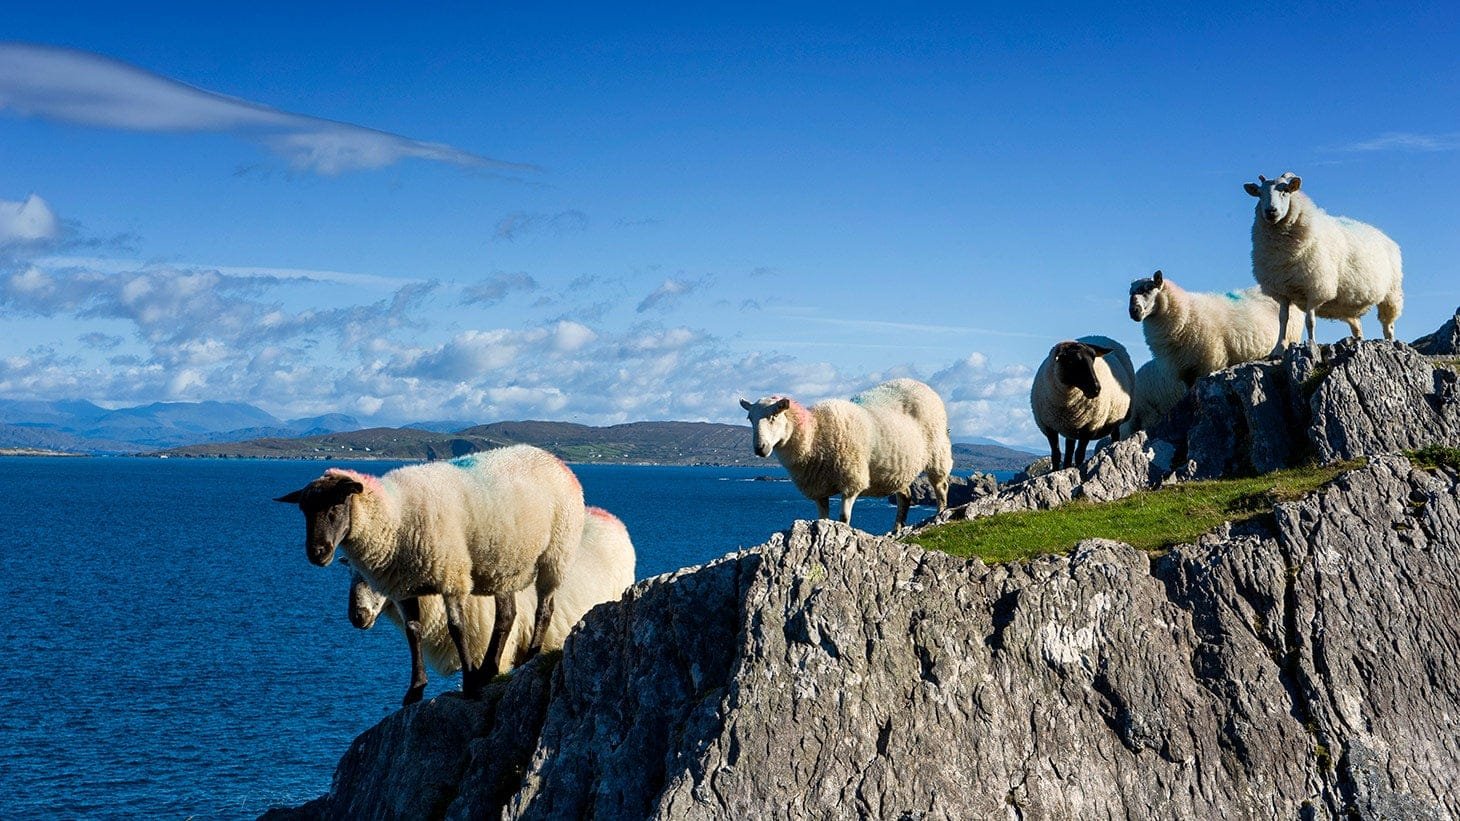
(78, 87)
(521, 223)
(494, 289)
(670, 291)
(1403, 141)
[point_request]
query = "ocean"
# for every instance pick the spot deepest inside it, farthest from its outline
(169, 651)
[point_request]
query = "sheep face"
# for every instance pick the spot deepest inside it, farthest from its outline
(1074, 364)
(1274, 197)
(326, 506)
(769, 423)
(365, 602)
(1143, 293)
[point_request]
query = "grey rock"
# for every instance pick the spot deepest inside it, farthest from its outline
(1038, 467)
(834, 674)
(961, 490)
(1363, 398)
(1445, 341)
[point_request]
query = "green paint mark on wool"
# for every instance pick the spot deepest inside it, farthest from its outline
(465, 462)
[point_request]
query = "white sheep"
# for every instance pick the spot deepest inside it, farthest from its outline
(487, 524)
(1157, 392)
(1082, 391)
(602, 569)
(1332, 267)
(875, 444)
(1201, 333)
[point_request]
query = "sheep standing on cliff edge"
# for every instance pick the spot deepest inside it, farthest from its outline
(875, 444)
(1332, 267)
(487, 523)
(1198, 333)
(1082, 391)
(602, 569)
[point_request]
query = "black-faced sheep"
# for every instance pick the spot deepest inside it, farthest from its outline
(1332, 267)
(1201, 333)
(875, 444)
(489, 524)
(1082, 391)
(602, 569)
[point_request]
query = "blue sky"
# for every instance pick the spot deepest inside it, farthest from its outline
(496, 213)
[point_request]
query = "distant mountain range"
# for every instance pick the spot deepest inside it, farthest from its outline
(239, 430)
(77, 426)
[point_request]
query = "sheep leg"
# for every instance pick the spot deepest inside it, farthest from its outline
(1070, 443)
(1080, 456)
(546, 604)
(1311, 323)
(506, 607)
(410, 616)
(1054, 449)
(1388, 312)
(1282, 343)
(849, 499)
(904, 501)
(1355, 327)
(823, 507)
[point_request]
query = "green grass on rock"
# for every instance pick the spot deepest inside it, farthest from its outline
(1152, 520)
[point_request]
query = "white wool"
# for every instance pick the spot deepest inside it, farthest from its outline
(1327, 266)
(1065, 410)
(1157, 392)
(601, 570)
(1202, 333)
(876, 444)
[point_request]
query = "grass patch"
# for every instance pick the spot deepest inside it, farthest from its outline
(1436, 456)
(1451, 362)
(1152, 520)
(1309, 386)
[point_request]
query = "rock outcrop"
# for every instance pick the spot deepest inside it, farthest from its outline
(833, 674)
(1443, 342)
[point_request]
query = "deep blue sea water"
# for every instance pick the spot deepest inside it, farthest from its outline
(169, 652)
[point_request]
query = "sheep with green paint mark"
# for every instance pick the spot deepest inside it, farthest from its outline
(487, 524)
(600, 572)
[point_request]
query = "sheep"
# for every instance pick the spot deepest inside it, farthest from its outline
(1082, 391)
(877, 443)
(1200, 333)
(1332, 267)
(602, 569)
(1157, 392)
(488, 524)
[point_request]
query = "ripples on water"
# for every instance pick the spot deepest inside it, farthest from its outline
(168, 650)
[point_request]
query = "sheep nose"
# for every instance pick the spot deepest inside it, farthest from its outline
(1271, 213)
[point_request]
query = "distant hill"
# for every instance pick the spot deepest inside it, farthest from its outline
(658, 443)
(76, 426)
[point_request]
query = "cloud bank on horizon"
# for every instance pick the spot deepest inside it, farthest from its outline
(153, 331)
(81, 88)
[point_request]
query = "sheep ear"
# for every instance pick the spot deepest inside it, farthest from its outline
(292, 498)
(1294, 183)
(1100, 351)
(352, 486)
(1159, 278)
(783, 404)
(1252, 189)
(745, 404)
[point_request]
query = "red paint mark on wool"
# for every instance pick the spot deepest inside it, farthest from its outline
(800, 413)
(571, 474)
(600, 513)
(372, 482)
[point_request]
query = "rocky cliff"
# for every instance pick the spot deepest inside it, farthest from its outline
(1301, 664)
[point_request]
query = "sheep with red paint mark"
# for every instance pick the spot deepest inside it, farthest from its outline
(600, 572)
(875, 444)
(491, 523)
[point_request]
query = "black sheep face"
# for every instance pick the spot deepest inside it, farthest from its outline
(1075, 365)
(326, 506)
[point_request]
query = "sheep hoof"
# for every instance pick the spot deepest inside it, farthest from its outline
(413, 695)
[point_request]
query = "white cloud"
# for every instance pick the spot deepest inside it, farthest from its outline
(26, 222)
(71, 86)
(1403, 141)
(669, 292)
(496, 288)
(521, 223)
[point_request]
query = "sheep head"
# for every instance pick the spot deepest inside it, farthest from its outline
(326, 506)
(769, 423)
(1143, 294)
(365, 602)
(1274, 197)
(1074, 365)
